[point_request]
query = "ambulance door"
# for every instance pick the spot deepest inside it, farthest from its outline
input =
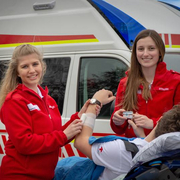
(57, 79)
(90, 73)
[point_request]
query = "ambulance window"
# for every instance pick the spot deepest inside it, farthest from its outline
(97, 73)
(172, 61)
(3, 66)
(55, 78)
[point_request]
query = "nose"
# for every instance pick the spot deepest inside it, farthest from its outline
(145, 53)
(31, 69)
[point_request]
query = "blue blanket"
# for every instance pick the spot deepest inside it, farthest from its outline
(79, 168)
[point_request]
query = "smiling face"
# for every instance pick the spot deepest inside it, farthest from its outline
(147, 53)
(30, 70)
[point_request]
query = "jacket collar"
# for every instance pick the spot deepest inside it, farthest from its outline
(161, 68)
(22, 87)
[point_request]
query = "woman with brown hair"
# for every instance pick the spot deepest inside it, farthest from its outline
(149, 89)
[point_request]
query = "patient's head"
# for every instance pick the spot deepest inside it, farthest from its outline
(170, 122)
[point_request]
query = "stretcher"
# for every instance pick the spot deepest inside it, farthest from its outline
(166, 167)
(159, 160)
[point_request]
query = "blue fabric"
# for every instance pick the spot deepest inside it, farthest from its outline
(77, 168)
(82, 168)
(92, 139)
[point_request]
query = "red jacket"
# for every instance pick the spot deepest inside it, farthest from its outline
(35, 135)
(165, 92)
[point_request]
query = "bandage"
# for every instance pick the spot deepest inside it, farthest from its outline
(88, 119)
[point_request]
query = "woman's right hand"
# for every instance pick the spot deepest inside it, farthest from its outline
(73, 129)
(139, 131)
(118, 118)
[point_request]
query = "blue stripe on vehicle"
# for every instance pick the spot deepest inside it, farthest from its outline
(125, 24)
(173, 3)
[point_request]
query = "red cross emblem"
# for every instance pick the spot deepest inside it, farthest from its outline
(101, 149)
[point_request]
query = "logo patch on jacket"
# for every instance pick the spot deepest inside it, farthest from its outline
(164, 89)
(51, 107)
(33, 107)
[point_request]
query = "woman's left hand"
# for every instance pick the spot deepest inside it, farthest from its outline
(143, 121)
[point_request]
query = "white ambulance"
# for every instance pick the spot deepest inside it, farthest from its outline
(86, 45)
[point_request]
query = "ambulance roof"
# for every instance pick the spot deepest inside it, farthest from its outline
(75, 25)
(129, 17)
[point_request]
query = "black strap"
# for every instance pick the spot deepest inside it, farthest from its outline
(131, 147)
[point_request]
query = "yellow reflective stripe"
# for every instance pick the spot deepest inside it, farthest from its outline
(51, 42)
(175, 46)
(172, 46)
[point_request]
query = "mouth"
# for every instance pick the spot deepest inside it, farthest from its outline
(146, 59)
(33, 77)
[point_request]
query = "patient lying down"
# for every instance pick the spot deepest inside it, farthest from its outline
(112, 156)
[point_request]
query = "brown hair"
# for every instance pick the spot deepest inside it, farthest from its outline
(170, 122)
(135, 74)
(11, 79)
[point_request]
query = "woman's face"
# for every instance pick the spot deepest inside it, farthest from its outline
(147, 53)
(30, 71)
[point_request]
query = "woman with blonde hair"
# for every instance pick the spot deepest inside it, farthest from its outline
(11, 79)
(149, 89)
(32, 119)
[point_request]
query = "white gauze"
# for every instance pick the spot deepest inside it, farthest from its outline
(88, 119)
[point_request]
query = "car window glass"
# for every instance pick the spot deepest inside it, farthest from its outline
(55, 78)
(172, 61)
(3, 66)
(97, 73)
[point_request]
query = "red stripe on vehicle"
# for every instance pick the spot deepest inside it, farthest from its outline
(11, 39)
(3, 131)
(166, 39)
(1, 151)
(69, 150)
(4, 139)
(175, 39)
(102, 134)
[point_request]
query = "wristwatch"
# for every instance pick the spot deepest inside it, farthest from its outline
(95, 101)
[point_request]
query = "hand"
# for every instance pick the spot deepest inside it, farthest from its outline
(73, 129)
(104, 96)
(84, 108)
(143, 121)
(139, 131)
(118, 118)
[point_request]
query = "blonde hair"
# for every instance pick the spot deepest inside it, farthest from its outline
(11, 79)
(135, 74)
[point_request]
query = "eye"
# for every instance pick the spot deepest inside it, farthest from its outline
(151, 48)
(35, 63)
(140, 48)
(24, 66)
